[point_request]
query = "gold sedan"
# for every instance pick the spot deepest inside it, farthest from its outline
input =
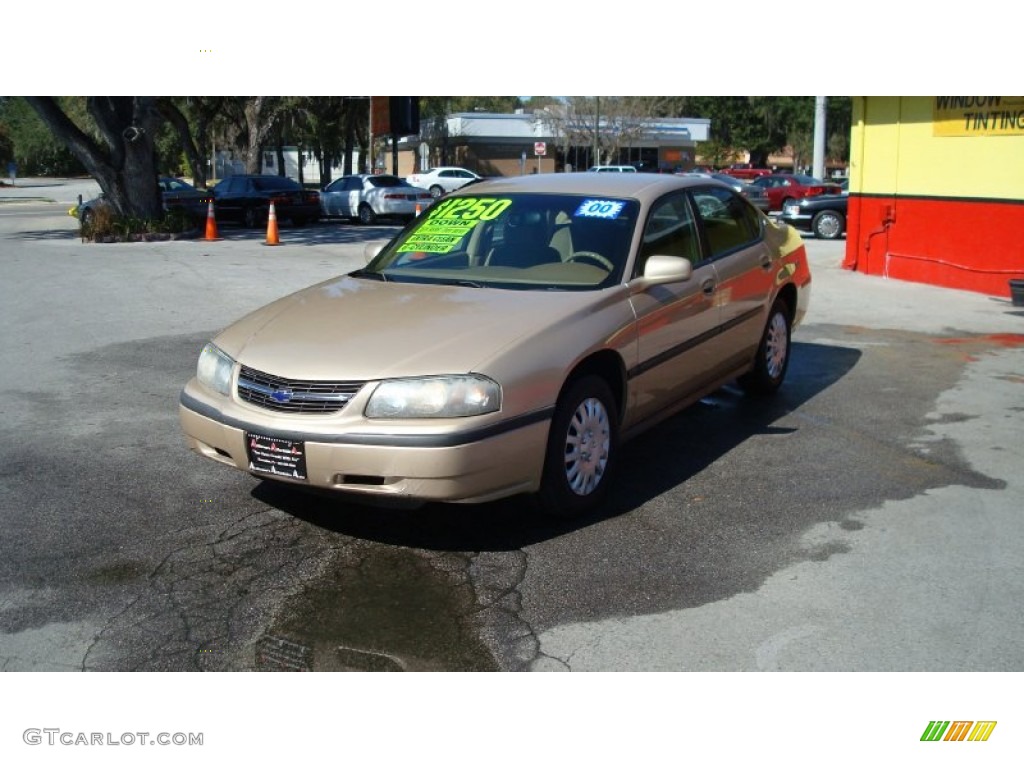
(507, 341)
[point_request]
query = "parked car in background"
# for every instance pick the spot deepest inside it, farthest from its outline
(506, 342)
(612, 169)
(442, 179)
(824, 215)
(784, 188)
(754, 194)
(177, 195)
(745, 171)
(367, 197)
(247, 198)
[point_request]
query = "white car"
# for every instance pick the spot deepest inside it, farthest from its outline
(366, 198)
(442, 180)
(612, 169)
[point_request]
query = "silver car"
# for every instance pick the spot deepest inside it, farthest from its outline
(366, 198)
(506, 342)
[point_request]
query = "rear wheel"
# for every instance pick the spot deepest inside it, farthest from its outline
(436, 191)
(772, 358)
(828, 225)
(582, 449)
(366, 214)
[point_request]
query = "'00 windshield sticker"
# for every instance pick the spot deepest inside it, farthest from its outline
(600, 209)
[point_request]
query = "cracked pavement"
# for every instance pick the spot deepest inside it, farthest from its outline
(868, 518)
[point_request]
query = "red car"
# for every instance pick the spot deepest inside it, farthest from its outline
(745, 171)
(783, 188)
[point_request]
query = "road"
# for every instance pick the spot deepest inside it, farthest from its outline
(866, 519)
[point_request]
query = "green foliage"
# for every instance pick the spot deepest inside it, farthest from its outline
(32, 145)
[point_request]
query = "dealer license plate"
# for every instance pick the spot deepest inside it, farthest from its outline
(275, 456)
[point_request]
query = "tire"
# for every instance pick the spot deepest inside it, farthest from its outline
(828, 225)
(582, 450)
(251, 218)
(366, 215)
(436, 191)
(772, 359)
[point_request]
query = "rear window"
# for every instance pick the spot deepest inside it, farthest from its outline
(387, 181)
(266, 184)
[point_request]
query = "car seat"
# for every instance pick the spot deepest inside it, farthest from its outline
(525, 243)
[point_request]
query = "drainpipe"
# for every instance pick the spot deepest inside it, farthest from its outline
(888, 219)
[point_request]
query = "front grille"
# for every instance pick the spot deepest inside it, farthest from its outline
(294, 395)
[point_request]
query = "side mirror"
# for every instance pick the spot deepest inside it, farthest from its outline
(664, 269)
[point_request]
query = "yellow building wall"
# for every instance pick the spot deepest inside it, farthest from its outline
(898, 147)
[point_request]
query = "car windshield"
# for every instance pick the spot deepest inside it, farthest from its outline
(807, 181)
(518, 241)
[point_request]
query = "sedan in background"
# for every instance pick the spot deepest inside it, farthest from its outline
(443, 179)
(247, 199)
(784, 188)
(507, 341)
(177, 195)
(824, 215)
(366, 198)
(754, 194)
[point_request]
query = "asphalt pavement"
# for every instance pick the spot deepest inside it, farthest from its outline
(124, 551)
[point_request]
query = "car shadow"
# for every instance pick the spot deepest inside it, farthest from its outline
(723, 420)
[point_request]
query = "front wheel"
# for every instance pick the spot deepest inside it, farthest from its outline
(366, 214)
(582, 449)
(772, 358)
(828, 225)
(251, 218)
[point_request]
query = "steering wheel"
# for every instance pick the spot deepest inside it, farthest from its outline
(604, 261)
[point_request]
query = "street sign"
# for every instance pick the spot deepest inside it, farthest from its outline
(540, 148)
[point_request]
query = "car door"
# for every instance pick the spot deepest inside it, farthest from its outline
(231, 202)
(733, 235)
(676, 322)
(348, 195)
(330, 198)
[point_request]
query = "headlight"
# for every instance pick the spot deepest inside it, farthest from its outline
(214, 369)
(434, 397)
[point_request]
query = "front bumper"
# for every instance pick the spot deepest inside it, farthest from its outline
(801, 221)
(475, 464)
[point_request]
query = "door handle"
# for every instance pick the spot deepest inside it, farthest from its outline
(708, 286)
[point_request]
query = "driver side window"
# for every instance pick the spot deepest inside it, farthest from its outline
(669, 232)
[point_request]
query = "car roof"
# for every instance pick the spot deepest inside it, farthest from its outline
(641, 186)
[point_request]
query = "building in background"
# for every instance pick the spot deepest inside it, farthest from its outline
(937, 190)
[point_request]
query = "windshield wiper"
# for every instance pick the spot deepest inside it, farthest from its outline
(463, 282)
(369, 275)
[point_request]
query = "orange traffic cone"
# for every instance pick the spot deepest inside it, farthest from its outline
(211, 224)
(417, 210)
(272, 238)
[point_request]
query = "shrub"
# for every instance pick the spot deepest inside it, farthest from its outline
(105, 226)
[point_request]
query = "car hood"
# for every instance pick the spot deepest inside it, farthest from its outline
(357, 329)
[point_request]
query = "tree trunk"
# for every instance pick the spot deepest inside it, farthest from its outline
(195, 160)
(126, 167)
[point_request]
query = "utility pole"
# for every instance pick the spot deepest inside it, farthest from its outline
(819, 137)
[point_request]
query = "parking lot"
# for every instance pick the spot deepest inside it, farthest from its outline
(868, 519)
